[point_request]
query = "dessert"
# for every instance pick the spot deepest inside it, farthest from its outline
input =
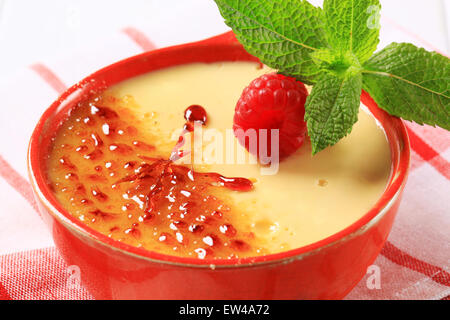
(148, 162)
(118, 164)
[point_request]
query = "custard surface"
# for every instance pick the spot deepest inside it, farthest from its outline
(139, 120)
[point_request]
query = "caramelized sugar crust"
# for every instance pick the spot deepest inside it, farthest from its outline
(112, 176)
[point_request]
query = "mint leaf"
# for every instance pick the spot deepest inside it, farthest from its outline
(281, 34)
(410, 83)
(353, 26)
(332, 108)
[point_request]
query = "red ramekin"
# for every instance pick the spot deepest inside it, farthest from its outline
(327, 269)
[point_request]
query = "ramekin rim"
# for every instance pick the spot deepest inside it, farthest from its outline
(392, 191)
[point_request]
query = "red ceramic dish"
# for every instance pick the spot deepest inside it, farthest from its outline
(327, 269)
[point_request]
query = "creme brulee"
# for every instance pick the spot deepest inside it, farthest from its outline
(109, 167)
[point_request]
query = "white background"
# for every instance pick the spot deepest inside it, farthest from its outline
(33, 30)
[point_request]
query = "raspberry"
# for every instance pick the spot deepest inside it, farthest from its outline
(272, 101)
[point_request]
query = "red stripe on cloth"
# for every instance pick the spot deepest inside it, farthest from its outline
(446, 298)
(429, 154)
(40, 274)
(139, 38)
(15, 180)
(3, 293)
(403, 259)
(436, 137)
(49, 77)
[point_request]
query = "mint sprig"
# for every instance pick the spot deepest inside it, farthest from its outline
(333, 50)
